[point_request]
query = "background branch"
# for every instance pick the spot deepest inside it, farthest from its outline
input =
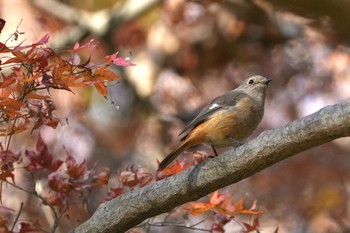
(272, 146)
(92, 23)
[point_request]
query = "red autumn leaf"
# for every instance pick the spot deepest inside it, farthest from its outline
(215, 227)
(100, 87)
(91, 44)
(2, 24)
(119, 61)
(25, 227)
(7, 174)
(41, 41)
(10, 107)
(216, 199)
(41, 158)
(144, 176)
(199, 208)
(18, 128)
(4, 48)
(100, 76)
(59, 182)
(56, 199)
(251, 227)
(40, 56)
(36, 96)
(239, 208)
(104, 74)
(102, 178)
(8, 157)
(20, 57)
(176, 168)
(128, 178)
(114, 193)
(7, 82)
(74, 169)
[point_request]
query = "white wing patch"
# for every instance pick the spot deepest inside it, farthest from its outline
(214, 105)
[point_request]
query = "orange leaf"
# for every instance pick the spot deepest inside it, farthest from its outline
(36, 96)
(216, 199)
(226, 207)
(239, 208)
(198, 208)
(176, 168)
(104, 74)
(100, 87)
(6, 174)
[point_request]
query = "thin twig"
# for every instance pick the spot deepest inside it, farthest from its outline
(17, 217)
(35, 194)
(239, 223)
(148, 226)
(57, 220)
(162, 224)
(203, 220)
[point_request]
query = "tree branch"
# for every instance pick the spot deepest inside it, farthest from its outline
(97, 23)
(272, 146)
(336, 10)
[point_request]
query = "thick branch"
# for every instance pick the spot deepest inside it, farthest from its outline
(270, 147)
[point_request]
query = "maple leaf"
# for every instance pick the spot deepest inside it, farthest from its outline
(25, 227)
(4, 48)
(102, 178)
(77, 47)
(251, 227)
(36, 96)
(239, 208)
(60, 182)
(114, 192)
(43, 40)
(100, 87)
(215, 227)
(144, 176)
(119, 61)
(176, 168)
(199, 207)
(74, 169)
(2, 24)
(10, 107)
(55, 199)
(7, 174)
(20, 57)
(128, 178)
(41, 158)
(9, 157)
(99, 77)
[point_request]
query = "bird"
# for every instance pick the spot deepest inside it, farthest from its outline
(226, 120)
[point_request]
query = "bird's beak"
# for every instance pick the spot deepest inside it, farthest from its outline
(266, 82)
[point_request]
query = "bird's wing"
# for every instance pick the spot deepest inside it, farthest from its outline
(221, 102)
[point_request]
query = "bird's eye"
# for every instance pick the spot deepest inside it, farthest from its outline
(250, 81)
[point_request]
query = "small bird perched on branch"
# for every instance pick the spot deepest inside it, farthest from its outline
(226, 120)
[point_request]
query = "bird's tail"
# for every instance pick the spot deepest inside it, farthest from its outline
(170, 157)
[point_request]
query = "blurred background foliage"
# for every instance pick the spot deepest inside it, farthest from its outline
(188, 52)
